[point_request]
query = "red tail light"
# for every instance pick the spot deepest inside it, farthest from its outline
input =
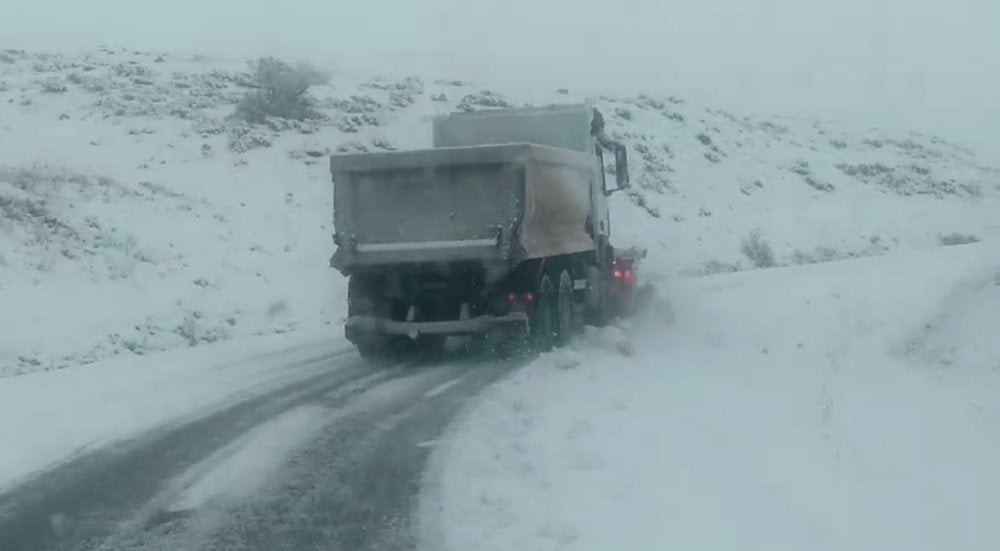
(618, 275)
(629, 276)
(526, 299)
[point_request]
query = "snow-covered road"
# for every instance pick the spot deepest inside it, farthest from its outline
(327, 457)
(848, 405)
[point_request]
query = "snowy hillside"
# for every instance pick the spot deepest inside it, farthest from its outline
(845, 406)
(137, 215)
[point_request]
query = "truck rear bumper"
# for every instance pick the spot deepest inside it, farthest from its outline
(515, 321)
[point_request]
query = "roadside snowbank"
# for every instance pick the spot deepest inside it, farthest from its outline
(851, 405)
(85, 408)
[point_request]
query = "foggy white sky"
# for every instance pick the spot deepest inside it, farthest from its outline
(905, 64)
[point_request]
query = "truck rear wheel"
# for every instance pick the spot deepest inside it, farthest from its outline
(360, 299)
(543, 324)
(373, 348)
(430, 344)
(564, 310)
(600, 303)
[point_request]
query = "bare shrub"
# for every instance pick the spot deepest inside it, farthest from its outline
(758, 250)
(276, 309)
(827, 254)
(194, 330)
(381, 142)
(819, 184)
(800, 257)
(357, 104)
(243, 138)
(803, 169)
(37, 207)
(865, 171)
(718, 267)
(639, 200)
(53, 86)
(957, 239)
(281, 91)
(486, 99)
(818, 255)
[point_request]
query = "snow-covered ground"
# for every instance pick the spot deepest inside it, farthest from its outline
(816, 405)
(136, 215)
(49, 417)
(849, 405)
(128, 227)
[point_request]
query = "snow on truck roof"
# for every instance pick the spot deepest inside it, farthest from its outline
(561, 126)
(438, 156)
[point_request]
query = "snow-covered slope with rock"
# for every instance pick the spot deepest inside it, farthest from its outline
(137, 215)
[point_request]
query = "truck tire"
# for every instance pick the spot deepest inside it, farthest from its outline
(430, 344)
(357, 295)
(373, 348)
(600, 303)
(543, 323)
(564, 310)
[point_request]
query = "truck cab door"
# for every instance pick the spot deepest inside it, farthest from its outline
(599, 197)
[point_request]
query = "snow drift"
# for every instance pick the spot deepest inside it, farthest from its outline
(843, 406)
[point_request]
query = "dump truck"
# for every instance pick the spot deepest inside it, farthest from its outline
(500, 231)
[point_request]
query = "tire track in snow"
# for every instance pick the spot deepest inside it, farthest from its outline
(330, 462)
(78, 504)
(353, 485)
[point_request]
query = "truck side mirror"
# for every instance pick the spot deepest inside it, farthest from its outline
(621, 168)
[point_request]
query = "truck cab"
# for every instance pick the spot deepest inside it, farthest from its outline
(578, 127)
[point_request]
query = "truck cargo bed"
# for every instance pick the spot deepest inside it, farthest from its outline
(496, 204)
